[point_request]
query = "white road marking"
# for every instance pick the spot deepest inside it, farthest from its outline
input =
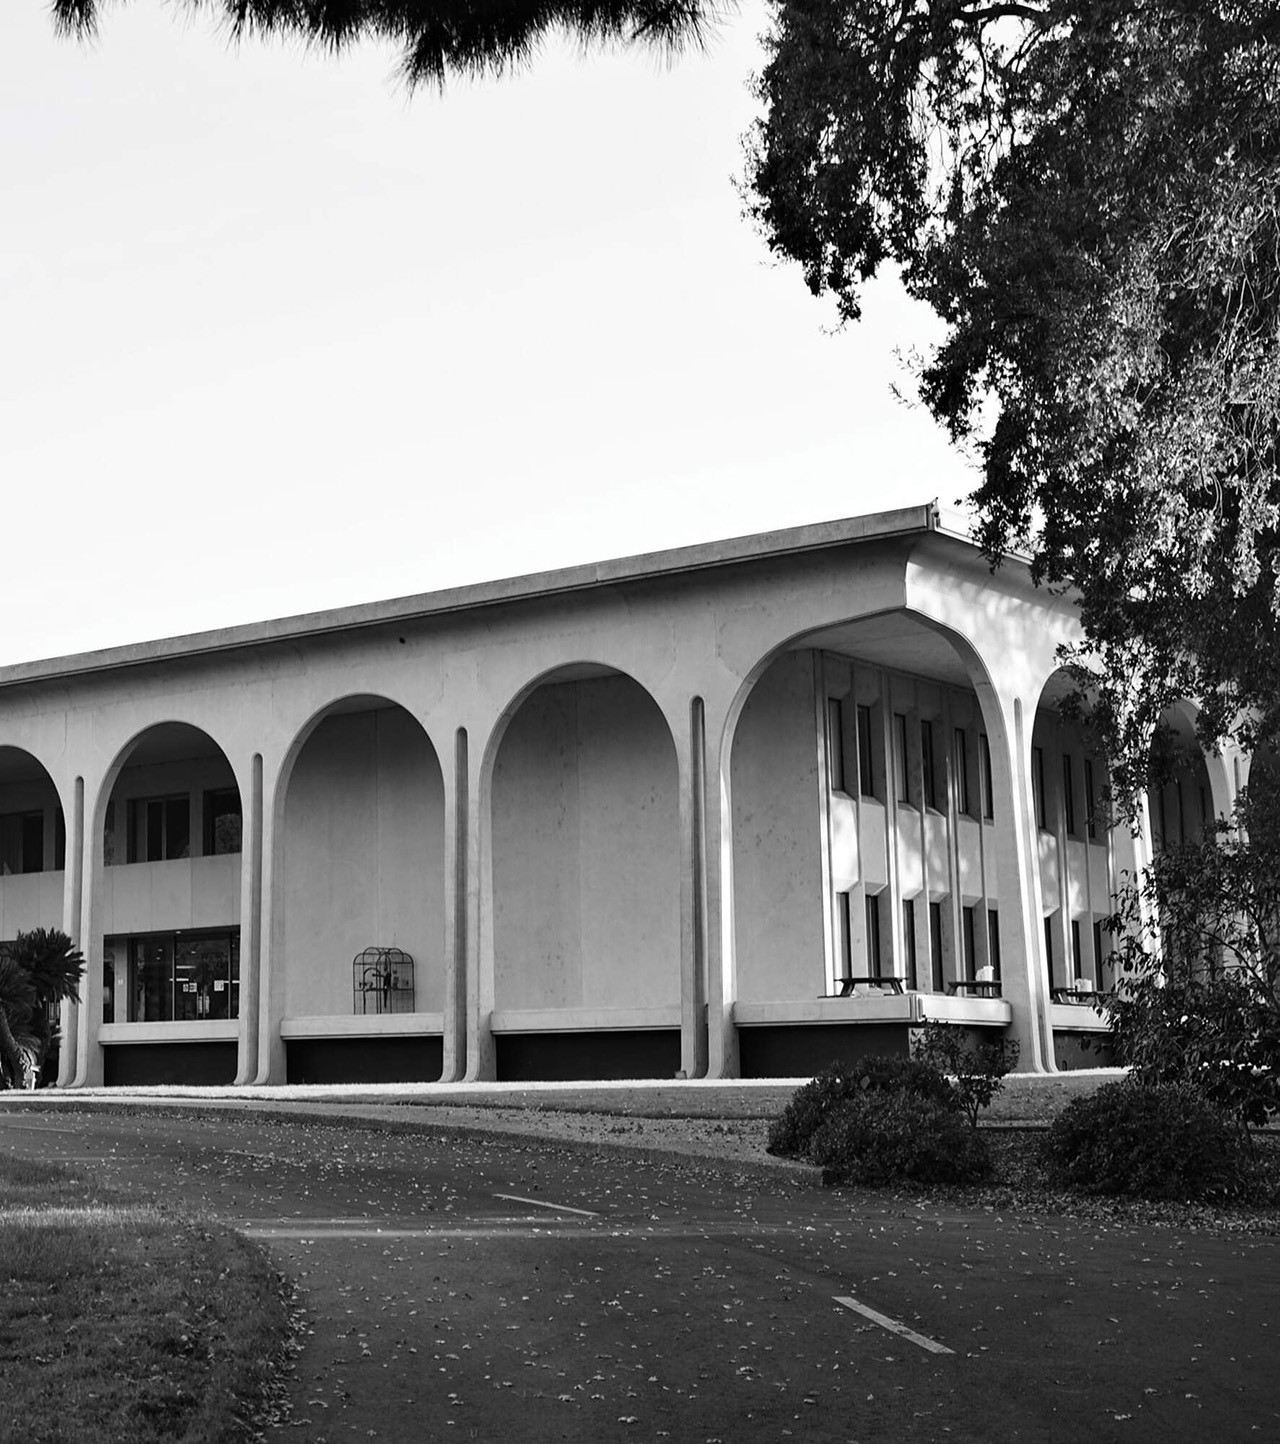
(538, 1203)
(37, 1127)
(894, 1326)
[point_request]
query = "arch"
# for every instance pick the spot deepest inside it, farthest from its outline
(358, 862)
(161, 928)
(580, 790)
(896, 873)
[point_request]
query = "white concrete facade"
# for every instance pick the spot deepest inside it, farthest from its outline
(731, 809)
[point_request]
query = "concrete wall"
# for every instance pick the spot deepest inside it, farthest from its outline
(586, 851)
(777, 845)
(363, 858)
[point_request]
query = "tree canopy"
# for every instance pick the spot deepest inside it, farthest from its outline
(437, 38)
(1086, 192)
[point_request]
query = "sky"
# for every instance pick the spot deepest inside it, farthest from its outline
(277, 335)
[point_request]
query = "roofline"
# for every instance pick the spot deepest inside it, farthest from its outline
(703, 556)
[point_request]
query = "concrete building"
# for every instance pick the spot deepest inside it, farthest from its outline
(732, 809)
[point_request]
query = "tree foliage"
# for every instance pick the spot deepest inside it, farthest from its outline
(1198, 950)
(437, 38)
(38, 970)
(1086, 192)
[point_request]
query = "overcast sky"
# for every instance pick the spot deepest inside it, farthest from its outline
(277, 336)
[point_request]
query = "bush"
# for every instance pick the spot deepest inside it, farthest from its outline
(792, 1131)
(877, 1137)
(976, 1074)
(1145, 1141)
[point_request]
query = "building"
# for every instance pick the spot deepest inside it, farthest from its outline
(732, 809)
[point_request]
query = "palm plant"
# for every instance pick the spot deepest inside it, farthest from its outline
(442, 37)
(38, 970)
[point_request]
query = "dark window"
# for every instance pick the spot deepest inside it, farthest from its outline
(901, 785)
(1048, 947)
(935, 946)
(993, 942)
(1068, 794)
(927, 768)
(960, 761)
(984, 769)
(159, 828)
(846, 936)
(183, 977)
(873, 936)
(21, 842)
(1091, 801)
(866, 772)
(909, 941)
(970, 945)
(59, 841)
(1037, 784)
(222, 821)
(1077, 961)
(1099, 951)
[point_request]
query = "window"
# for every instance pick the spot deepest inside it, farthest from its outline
(21, 842)
(1077, 962)
(909, 941)
(902, 790)
(866, 772)
(1068, 794)
(873, 937)
(984, 775)
(180, 977)
(222, 821)
(1037, 784)
(1048, 947)
(845, 962)
(960, 764)
(970, 945)
(928, 770)
(1091, 801)
(1099, 949)
(935, 947)
(993, 942)
(159, 828)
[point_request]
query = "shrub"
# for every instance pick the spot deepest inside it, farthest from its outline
(976, 1074)
(877, 1137)
(1145, 1141)
(791, 1132)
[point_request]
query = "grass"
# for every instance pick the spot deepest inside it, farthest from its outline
(122, 1321)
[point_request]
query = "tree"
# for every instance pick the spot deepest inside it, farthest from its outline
(441, 37)
(1198, 952)
(1087, 192)
(38, 970)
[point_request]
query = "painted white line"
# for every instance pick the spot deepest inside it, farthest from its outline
(557, 1207)
(894, 1326)
(37, 1127)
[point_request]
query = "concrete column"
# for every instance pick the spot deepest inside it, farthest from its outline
(250, 922)
(270, 995)
(695, 901)
(459, 905)
(88, 1065)
(474, 919)
(72, 890)
(1024, 981)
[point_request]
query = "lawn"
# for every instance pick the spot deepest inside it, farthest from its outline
(121, 1321)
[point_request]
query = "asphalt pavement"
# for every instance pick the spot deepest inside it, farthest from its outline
(485, 1286)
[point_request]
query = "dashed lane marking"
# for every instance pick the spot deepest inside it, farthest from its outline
(539, 1203)
(894, 1326)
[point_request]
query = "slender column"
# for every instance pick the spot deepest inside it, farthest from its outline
(476, 960)
(88, 1066)
(457, 933)
(270, 995)
(250, 923)
(72, 890)
(695, 920)
(1024, 983)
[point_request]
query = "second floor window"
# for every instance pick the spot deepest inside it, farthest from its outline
(159, 829)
